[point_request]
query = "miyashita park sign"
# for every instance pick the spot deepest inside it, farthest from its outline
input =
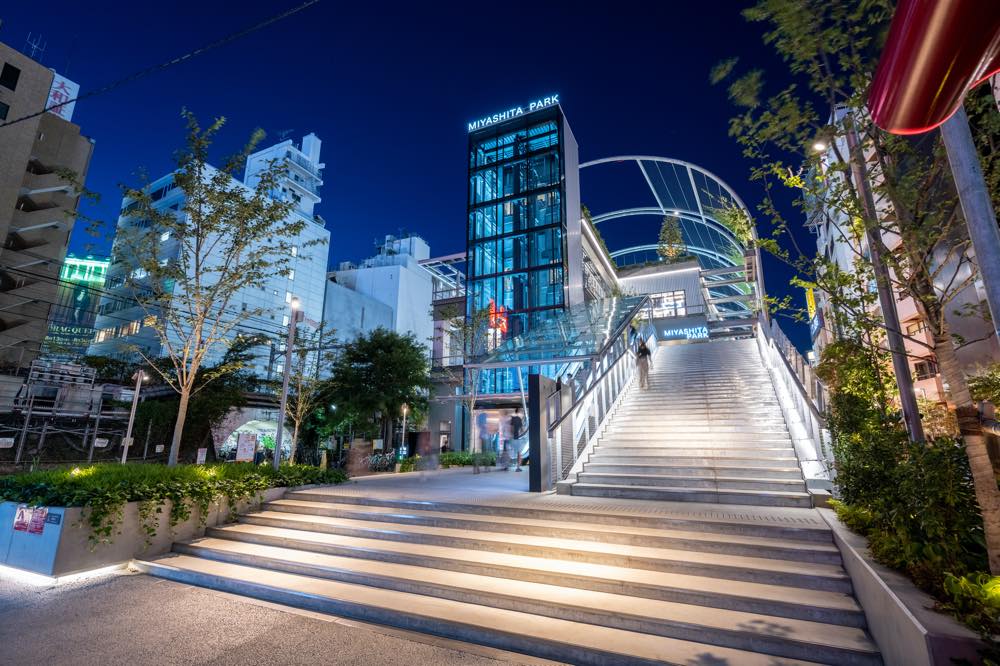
(513, 112)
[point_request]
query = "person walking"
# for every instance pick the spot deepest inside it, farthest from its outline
(642, 357)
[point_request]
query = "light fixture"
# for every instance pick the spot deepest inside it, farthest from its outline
(819, 146)
(296, 303)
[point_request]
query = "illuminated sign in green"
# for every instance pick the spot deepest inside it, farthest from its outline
(84, 271)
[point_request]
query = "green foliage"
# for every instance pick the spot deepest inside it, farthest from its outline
(465, 459)
(975, 600)
(408, 464)
(671, 241)
(380, 372)
(104, 489)
(985, 384)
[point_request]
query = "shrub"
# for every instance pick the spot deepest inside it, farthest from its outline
(104, 489)
(465, 458)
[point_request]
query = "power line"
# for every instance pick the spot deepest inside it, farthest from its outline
(170, 63)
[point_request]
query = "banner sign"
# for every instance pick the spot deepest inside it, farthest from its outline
(62, 96)
(246, 446)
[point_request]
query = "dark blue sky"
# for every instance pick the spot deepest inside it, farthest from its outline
(390, 88)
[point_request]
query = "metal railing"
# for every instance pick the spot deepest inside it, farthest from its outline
(802, 398)
(575, 422)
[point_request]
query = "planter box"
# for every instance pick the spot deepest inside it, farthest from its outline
(901, 618)
(64, 547)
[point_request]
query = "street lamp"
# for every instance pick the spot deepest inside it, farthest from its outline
(296, 317)
(402, 445)
(139, 377)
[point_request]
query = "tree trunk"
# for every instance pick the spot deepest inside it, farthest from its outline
(175, 443)
(293, 443)
(987, 493)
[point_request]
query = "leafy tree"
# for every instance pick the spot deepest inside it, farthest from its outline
(471, 334)
(671, 246)
(378, 373)
(306, 389)
(228, 238)
(812, 137)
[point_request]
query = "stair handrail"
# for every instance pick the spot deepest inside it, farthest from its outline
(802, 398)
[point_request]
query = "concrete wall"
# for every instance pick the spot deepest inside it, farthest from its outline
(64, 548)
(353, 314)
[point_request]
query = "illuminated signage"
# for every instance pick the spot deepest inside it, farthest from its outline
(686, 333)
(810, 302)
(62, 97)
(498, 317)
(514, 112)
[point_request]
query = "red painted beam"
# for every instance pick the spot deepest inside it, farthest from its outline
(936, 51)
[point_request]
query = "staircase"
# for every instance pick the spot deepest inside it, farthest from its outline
(582, 580)
(580, 586)
(708, 429)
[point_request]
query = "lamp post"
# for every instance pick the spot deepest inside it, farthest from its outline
(402, 445)
(139, 376)
(292, 321)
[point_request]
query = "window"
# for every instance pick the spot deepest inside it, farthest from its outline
(165, 236)
(288, 297)
(4, 110)
(295, 253)
(284, 320)
(924, 369)
(291, 273)
(916, 327)
(668, 304)
(9, 76)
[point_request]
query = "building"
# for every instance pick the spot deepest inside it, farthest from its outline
(122, 324)
(389, 290)
(43, 165)
(71, 323)
(524, 250)
(839, 248)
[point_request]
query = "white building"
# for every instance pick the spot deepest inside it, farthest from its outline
(120, 320)
(390, 290)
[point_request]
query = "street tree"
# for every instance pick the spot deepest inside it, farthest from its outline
(473, 337)
(312, 358)
(813, 137)
(187, 268)
(376, 374)
(671, 245)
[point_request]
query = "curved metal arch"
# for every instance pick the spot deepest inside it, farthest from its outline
(693, 249)
(691, 216)
(687, 165)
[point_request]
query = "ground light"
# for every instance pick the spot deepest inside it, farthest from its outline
(32, 578)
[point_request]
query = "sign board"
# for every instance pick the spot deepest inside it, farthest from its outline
(810, 302)
(100, 442)
(202, 455)
(514, 112)
(693, 327)
(127, 441)
(377, 444)
(31, 519)
(62, 97)
(159, 448)
(246, 446)
(6, 442)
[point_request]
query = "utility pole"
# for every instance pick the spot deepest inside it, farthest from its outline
(292, 321)
(24, 431)
(149, 431)
(976, 206)
(894, 336)
(127, 442)
(97, 427)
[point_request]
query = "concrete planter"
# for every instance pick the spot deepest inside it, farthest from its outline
(901, 618)
(64, 547)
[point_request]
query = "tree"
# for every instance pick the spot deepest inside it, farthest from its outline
(306, 389)
(475, 338)
(378, 373)
(186, 268)
(801, 138)
(671, 247)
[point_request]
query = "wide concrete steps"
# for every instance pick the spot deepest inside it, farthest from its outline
(681, 494)
(685, 481)
(588, 585)
(546, 637)
(749, 468)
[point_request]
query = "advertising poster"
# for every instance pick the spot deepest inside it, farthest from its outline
(21, 518)
(36, 525)
(246, 446)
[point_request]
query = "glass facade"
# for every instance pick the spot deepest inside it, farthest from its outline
(516, 230)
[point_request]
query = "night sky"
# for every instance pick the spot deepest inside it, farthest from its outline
(390, 88)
